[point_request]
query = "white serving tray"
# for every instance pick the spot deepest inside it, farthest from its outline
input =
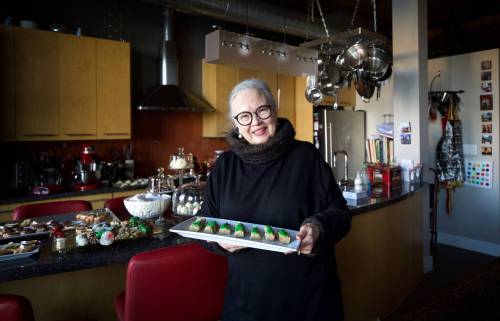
(263, 244)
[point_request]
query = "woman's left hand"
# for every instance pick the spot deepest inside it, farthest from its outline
(308, 234)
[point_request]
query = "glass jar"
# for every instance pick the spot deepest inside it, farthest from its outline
(188, 198)
(181, 161)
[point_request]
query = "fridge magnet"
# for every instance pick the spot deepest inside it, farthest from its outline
(486, 102)
(486, 116)
(486, 87)
(485, 75)
(486, 150)
(485, 64)
(405, 127)
(479, 173)
(487, 128)
(406, 139)
(486, 139)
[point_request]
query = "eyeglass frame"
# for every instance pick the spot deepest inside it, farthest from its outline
(254, 113)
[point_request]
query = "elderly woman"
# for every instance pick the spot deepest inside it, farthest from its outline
(270, 178)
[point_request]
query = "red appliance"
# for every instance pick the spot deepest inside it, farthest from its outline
(88, 170)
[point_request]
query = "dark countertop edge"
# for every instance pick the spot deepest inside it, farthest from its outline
(34, 198)
(29, 268)
(371, 204)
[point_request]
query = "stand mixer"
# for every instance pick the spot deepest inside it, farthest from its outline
(88, 172)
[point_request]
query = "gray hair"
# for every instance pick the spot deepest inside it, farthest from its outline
(256, 84)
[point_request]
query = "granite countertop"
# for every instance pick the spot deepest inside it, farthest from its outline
(48, 262)
(384, 199)
(32, 198)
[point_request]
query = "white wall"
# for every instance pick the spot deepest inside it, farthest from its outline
(475, 220)
(376, 109)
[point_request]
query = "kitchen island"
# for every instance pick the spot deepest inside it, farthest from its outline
(380, 262)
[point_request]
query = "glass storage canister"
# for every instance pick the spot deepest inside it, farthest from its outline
(180, 162)
(188, 198)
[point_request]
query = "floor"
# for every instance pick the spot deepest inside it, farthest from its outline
(450, 263)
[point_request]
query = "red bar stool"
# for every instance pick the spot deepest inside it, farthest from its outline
(118, 208)
(15, 308)
(183, 282)
(51, 208)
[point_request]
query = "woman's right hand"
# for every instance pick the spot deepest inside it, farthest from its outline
(230, 247)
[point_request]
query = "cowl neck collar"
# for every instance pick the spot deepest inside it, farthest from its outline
(276, 146)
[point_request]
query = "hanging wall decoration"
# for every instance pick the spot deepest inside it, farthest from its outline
(486, 107)
(479, 173)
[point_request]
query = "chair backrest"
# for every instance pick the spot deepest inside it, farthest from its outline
(184, 282)
(51, 208)
(118, 208)
(15, 308)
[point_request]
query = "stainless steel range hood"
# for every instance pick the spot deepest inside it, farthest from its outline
(169, 96)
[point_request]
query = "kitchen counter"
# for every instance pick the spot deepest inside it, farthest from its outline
(384, 247)
(34, 198)
(372, 203)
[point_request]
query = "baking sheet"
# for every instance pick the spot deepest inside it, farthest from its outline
(59, 218)
(8, 257)
(263, 244)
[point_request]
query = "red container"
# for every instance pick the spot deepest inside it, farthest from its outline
(386, 176)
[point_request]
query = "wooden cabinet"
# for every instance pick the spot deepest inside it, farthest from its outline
(113, 89)
(56, 86)
(218, 81)
(36, 84)
(77, 87)
(7, 87)
(285, 98)
(303, 112)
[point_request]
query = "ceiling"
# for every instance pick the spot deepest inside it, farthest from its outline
(454, 26)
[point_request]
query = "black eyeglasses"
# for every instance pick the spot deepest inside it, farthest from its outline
(245, 118)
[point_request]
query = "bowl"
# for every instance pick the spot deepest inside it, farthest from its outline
(147, 205)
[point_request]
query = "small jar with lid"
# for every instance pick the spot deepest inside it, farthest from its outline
(181, 160)
(188, 198)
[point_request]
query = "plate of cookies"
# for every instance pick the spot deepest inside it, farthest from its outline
(252, 235)
(19, 250)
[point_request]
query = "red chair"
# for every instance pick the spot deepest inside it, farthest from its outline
(183, 282)
(15, 308)
(51, 208)
(118, 208)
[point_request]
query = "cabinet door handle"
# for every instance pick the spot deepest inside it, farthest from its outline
(116, 134)
(79, 134)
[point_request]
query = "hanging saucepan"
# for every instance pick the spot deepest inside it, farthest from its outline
(364, 86)
(314, 95)
(355, 56)
(376, 63)
(387, 74)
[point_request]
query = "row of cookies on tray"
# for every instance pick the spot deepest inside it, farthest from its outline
(201, 224)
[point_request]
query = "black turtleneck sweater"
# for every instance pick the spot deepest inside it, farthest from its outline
(287, 191)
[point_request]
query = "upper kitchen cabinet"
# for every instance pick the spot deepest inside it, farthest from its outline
(7, 88)
(113, 89)
(77, 87)
(217, 82)
(285, 97)
(36, 84)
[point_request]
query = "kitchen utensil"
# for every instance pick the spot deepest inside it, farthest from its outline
(313, 93)
(355, 56)
(364, 86)
(387, 74)
(376, 63)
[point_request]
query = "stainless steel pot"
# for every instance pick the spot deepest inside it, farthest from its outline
(377, 63)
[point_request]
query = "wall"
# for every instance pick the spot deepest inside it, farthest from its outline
(375, 109)
(475, 220)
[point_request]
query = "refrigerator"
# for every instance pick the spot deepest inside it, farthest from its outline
(338, 133)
